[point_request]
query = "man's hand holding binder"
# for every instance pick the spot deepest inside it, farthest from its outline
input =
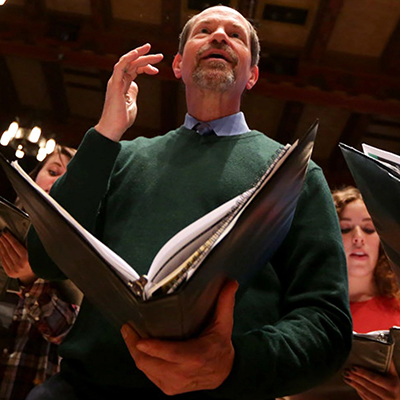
(205, 361)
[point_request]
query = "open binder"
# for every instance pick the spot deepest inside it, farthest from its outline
(13, 219)
(17, 222)
(377, 176)
(183, 282)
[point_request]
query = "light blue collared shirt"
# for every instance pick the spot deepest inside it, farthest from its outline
(227, 126)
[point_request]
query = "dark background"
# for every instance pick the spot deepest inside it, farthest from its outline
(336, 60)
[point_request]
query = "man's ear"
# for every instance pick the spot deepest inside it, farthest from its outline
(254, 72)
(176, 66)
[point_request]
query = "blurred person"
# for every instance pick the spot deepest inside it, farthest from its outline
(373, 289)
(374, 296)
(42, 316)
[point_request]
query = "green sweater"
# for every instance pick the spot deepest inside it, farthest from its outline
(292, 324)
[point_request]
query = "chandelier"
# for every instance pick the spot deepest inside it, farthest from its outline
(26, 141)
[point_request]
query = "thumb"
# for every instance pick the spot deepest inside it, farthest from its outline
(224, 308)
(131, 339)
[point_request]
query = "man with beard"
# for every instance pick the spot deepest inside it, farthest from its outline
(290, 327)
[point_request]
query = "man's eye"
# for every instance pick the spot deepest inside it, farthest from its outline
(204, 30)
(235, 35)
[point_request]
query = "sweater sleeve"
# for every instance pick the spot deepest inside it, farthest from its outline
(312, 336)
(80, 191)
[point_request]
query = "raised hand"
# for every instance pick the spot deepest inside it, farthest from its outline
(120, 107)
(201, 363)
(14, 258)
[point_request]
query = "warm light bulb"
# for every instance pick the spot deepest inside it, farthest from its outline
(41, 154)
(34, 135)
(2, 2)
(12, 129)
(19, 134)
(50, 146)
(19, 153)
(5, 138)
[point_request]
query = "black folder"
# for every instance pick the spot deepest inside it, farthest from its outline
(17, 222)
(379, 185)
(257, 231)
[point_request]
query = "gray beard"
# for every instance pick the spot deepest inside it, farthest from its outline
(215, 76)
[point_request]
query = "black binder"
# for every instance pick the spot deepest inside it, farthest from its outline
(17, 222)
(258, 231)
(379, 185)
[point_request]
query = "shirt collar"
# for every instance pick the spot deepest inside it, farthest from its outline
(231, 125)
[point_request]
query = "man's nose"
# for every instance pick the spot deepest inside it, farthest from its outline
(220, 35)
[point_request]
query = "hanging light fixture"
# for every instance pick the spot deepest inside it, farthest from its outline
(27, 141)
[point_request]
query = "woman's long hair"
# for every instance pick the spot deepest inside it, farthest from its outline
(385, 280)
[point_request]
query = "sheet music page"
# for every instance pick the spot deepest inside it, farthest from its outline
(187, 241)
(386, 157)
(126, 272)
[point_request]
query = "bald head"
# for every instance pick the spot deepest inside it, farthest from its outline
(254, 41)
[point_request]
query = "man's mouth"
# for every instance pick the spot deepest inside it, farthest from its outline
(218, 53)
(216, 56)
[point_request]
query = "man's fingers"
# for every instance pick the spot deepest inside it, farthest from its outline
(141, 65)
(135, 53)
(131, 339)
(176, 352)
(137, 59)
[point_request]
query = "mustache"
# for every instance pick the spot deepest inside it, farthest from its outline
(218, 46)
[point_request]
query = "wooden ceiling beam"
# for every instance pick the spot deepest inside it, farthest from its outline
(309, 74)
(312, 95)
(280, 87)
(324, 24)
(354, 82)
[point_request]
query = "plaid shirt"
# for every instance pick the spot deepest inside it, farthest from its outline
(40, 322)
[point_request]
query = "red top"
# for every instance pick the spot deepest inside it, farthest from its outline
(379, 313)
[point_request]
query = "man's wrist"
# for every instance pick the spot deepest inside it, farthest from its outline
(108, 132)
